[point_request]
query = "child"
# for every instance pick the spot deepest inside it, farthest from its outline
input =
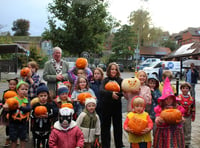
(69, 86)
(18, 118)
(12, 83)
(145, 91)
(128, 95)
(142, 139)
(89, 123)
(188, 102)
(41, 124)
(62, 96)
(167, 135)
(95, 86)
(82, 85)
(33, 79)
(75, 72)
(153, 84)
(66, 134)
(167, 74)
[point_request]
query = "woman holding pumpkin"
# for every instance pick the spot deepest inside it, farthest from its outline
(111, 107)
(138, 124)
(169, 120)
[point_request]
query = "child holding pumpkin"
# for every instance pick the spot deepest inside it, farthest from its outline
(80, 69)
(145, 91)
(89, 123)
(188, 102)
(18, 116)
(82, 86)
(33, 79)
(62, 96)
(169, 120)
(112, 107)
(95, 84)
(41, 115)
(9, 93)
(138, 124)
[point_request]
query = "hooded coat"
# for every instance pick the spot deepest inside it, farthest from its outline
(72, 137)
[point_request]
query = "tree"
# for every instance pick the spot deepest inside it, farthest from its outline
(170, 44)
(21, 27)
(82, 25)
(123, 42)
(141, 22)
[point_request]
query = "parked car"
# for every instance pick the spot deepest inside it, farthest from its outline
(103, 66)
(121, 67)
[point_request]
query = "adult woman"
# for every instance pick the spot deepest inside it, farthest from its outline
(111, 109)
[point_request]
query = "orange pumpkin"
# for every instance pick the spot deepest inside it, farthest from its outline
(69, 105)
(83, 96)
(12, 103)
(24, 71)
(137, 125)
(112, 86)
(40, 110)
(171, 116)
(131, 84)
(9, 94)
(81, 63)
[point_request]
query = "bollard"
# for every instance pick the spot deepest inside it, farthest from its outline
(177, 86)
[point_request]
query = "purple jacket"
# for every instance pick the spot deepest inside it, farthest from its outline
(72, 137)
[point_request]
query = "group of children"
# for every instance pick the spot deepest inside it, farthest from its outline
(153, 98)
(47, 129)
(57, 127)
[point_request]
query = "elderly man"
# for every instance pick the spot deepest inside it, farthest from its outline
(55, 70)
(192, 77)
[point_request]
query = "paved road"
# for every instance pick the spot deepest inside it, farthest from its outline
(195, 125)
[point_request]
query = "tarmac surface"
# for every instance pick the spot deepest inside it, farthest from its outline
(195, 142)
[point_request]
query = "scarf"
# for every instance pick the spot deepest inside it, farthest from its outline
(89, 120)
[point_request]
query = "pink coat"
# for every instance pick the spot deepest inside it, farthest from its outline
(71, 138)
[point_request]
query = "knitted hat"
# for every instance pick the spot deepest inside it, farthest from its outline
(167, 91)
(20, 83)
(42, 88)
(62, 90)
(90, 100)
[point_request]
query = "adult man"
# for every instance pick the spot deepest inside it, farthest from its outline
(160, 72)
(192, 77)
(55, 70)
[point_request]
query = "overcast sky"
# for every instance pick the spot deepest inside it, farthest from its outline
(169, 15)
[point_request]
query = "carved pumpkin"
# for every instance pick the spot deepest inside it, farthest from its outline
(34, 101)
(40, 110)
(69, 105)
(171, 116)
(83, 96)
(137, 125)
(9, 94)
(130, 84)
(24, 71)
(112, 86)
(81, 63)
(12, 103)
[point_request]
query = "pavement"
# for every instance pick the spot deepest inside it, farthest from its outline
(195, 142)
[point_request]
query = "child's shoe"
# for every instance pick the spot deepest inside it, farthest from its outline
(7, 143)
